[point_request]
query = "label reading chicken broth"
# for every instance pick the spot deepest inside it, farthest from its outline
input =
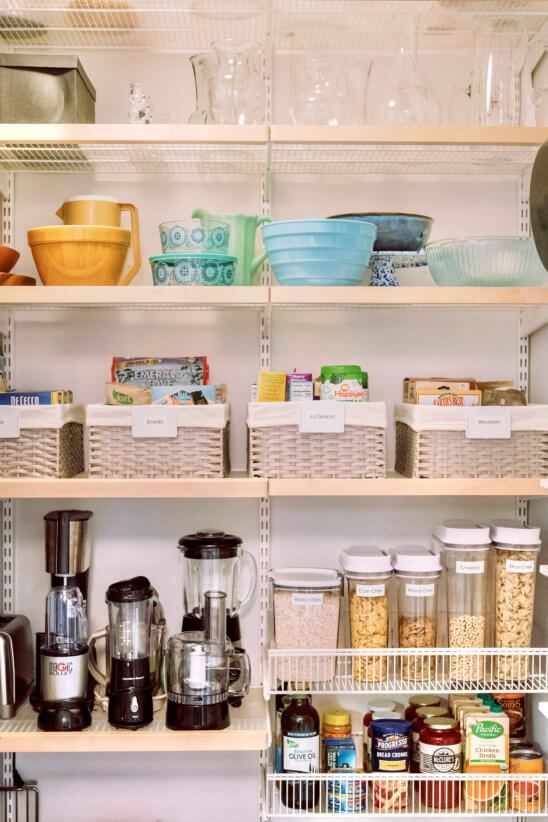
(371, 590)
(520, 566)
(307, 598)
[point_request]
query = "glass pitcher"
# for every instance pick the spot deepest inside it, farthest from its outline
(236, 89)
(324, 97)
(501, 49)
(203, 66)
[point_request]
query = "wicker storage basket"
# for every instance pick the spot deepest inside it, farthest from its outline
(50, 443)
(277, 449)
(431, 443)
(200, 448)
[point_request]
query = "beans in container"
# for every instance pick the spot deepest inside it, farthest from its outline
(390, 754)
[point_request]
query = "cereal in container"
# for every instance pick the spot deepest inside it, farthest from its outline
(466, 550)
(368, 574)
(418, 571)
(306, 605)
(517, 549)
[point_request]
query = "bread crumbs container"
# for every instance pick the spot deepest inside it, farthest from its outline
(368, 574)
(466, 550)
(418, 572)
(306, 607)
(517, 548)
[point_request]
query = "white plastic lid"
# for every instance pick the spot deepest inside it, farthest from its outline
(381, 705)
(387, 714)
(462, 532)
(512, 532)
(305, 577)
(365, 559)
(415, 559)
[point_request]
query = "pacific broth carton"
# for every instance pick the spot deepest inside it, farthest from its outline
(486, 750)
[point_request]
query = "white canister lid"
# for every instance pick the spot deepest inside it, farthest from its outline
(382, 714)
(416, 559)
(305, 578)
(365, 559)
(381, 705)
(462, 532)
(512, 532)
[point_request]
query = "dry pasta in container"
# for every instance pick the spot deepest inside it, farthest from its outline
(517, 549)
(306, 606)
(368, 574)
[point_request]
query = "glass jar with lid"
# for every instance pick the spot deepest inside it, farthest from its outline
(368, 573)
(418, 572)
(417, 725)
(466, 550)
(517, 548)
(306, 606)
(440, 755)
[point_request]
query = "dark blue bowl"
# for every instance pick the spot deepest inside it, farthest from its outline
(396, 232)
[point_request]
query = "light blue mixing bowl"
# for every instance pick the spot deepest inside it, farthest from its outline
(319, 252)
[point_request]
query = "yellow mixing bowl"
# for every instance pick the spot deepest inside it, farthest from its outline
(81, 254)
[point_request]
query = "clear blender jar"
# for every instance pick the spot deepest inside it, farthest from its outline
(215, 561)
(466, 549)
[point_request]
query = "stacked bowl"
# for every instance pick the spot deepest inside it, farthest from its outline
(194, 253)
(320, 251)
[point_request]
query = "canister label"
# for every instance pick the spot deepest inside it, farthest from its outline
(299, 598)
(520, 566)
(371, 590)
(465, 567)
(413, 589)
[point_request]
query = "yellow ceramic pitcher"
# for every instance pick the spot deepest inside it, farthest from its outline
(99, 210)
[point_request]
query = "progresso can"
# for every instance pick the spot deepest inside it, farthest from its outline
(390, 755)
(346, 795)
(528, 796)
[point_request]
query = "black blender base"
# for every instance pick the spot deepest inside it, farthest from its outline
(71, 715)
(197, 717)
(130, 709)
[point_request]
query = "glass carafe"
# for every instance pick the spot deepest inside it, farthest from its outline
(499, 57)
(324, 97)
(406, 97)
(66, 622)
(203, 66)
(236, 89)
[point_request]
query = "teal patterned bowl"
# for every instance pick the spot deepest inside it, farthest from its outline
(192, 236)
(193, 269)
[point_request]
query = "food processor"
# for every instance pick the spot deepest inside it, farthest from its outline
(204, 670)
(214, 561)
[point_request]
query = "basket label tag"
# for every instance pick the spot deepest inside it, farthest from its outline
(9, 422)
(321, 417)
(159, 421)
(486, 424)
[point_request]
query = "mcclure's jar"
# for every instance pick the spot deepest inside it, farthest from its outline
(517, 548)
(306, 604)
(418, 571)
(416, 727)
(368, 573)
(466, 549)
(440, 756)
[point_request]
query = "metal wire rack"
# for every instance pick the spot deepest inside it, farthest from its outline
(19, 801)
(399, 671)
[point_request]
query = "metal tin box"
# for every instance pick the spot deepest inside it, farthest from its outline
(45, 88)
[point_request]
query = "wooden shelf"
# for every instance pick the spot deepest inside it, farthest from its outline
(249, 731)
(139, 296)
(237, 486)
(405, 296)
(398, 486)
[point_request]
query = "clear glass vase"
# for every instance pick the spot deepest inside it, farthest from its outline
(203, 66)
(406, 97)
(236, 89)
(501, 47)
(324, 96)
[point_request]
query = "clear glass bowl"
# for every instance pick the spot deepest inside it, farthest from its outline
(485, 261)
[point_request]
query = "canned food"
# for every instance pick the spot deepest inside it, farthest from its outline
(346, 795)
(391, 753)
(514, 706)
(527, 796)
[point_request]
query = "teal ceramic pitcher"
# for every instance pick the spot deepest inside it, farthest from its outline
(243, 230)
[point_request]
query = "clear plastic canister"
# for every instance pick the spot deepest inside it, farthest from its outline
(466, 549)
(368, 574)
(517, 549)
(418, 572)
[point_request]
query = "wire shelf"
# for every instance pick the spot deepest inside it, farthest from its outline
(19, 801)
(418, 795)
(399, 671)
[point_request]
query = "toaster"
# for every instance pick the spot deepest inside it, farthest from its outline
(16, 663)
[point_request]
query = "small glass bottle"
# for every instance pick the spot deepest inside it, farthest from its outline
(300, 753)
(140, 110)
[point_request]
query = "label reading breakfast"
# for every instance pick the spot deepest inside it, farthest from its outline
(154, 421)
(520, 566)
(307, 599)
(488, 425)
(475, 567)
(321, 417)
(370, 590)
(9, 422)
(415, 590)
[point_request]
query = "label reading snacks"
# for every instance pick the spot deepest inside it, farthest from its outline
(159, 421)
(321, 417)
(483, 424)
(9, 422)
(307, 599)
(415, 590)
(520, 566)
(370, 590)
